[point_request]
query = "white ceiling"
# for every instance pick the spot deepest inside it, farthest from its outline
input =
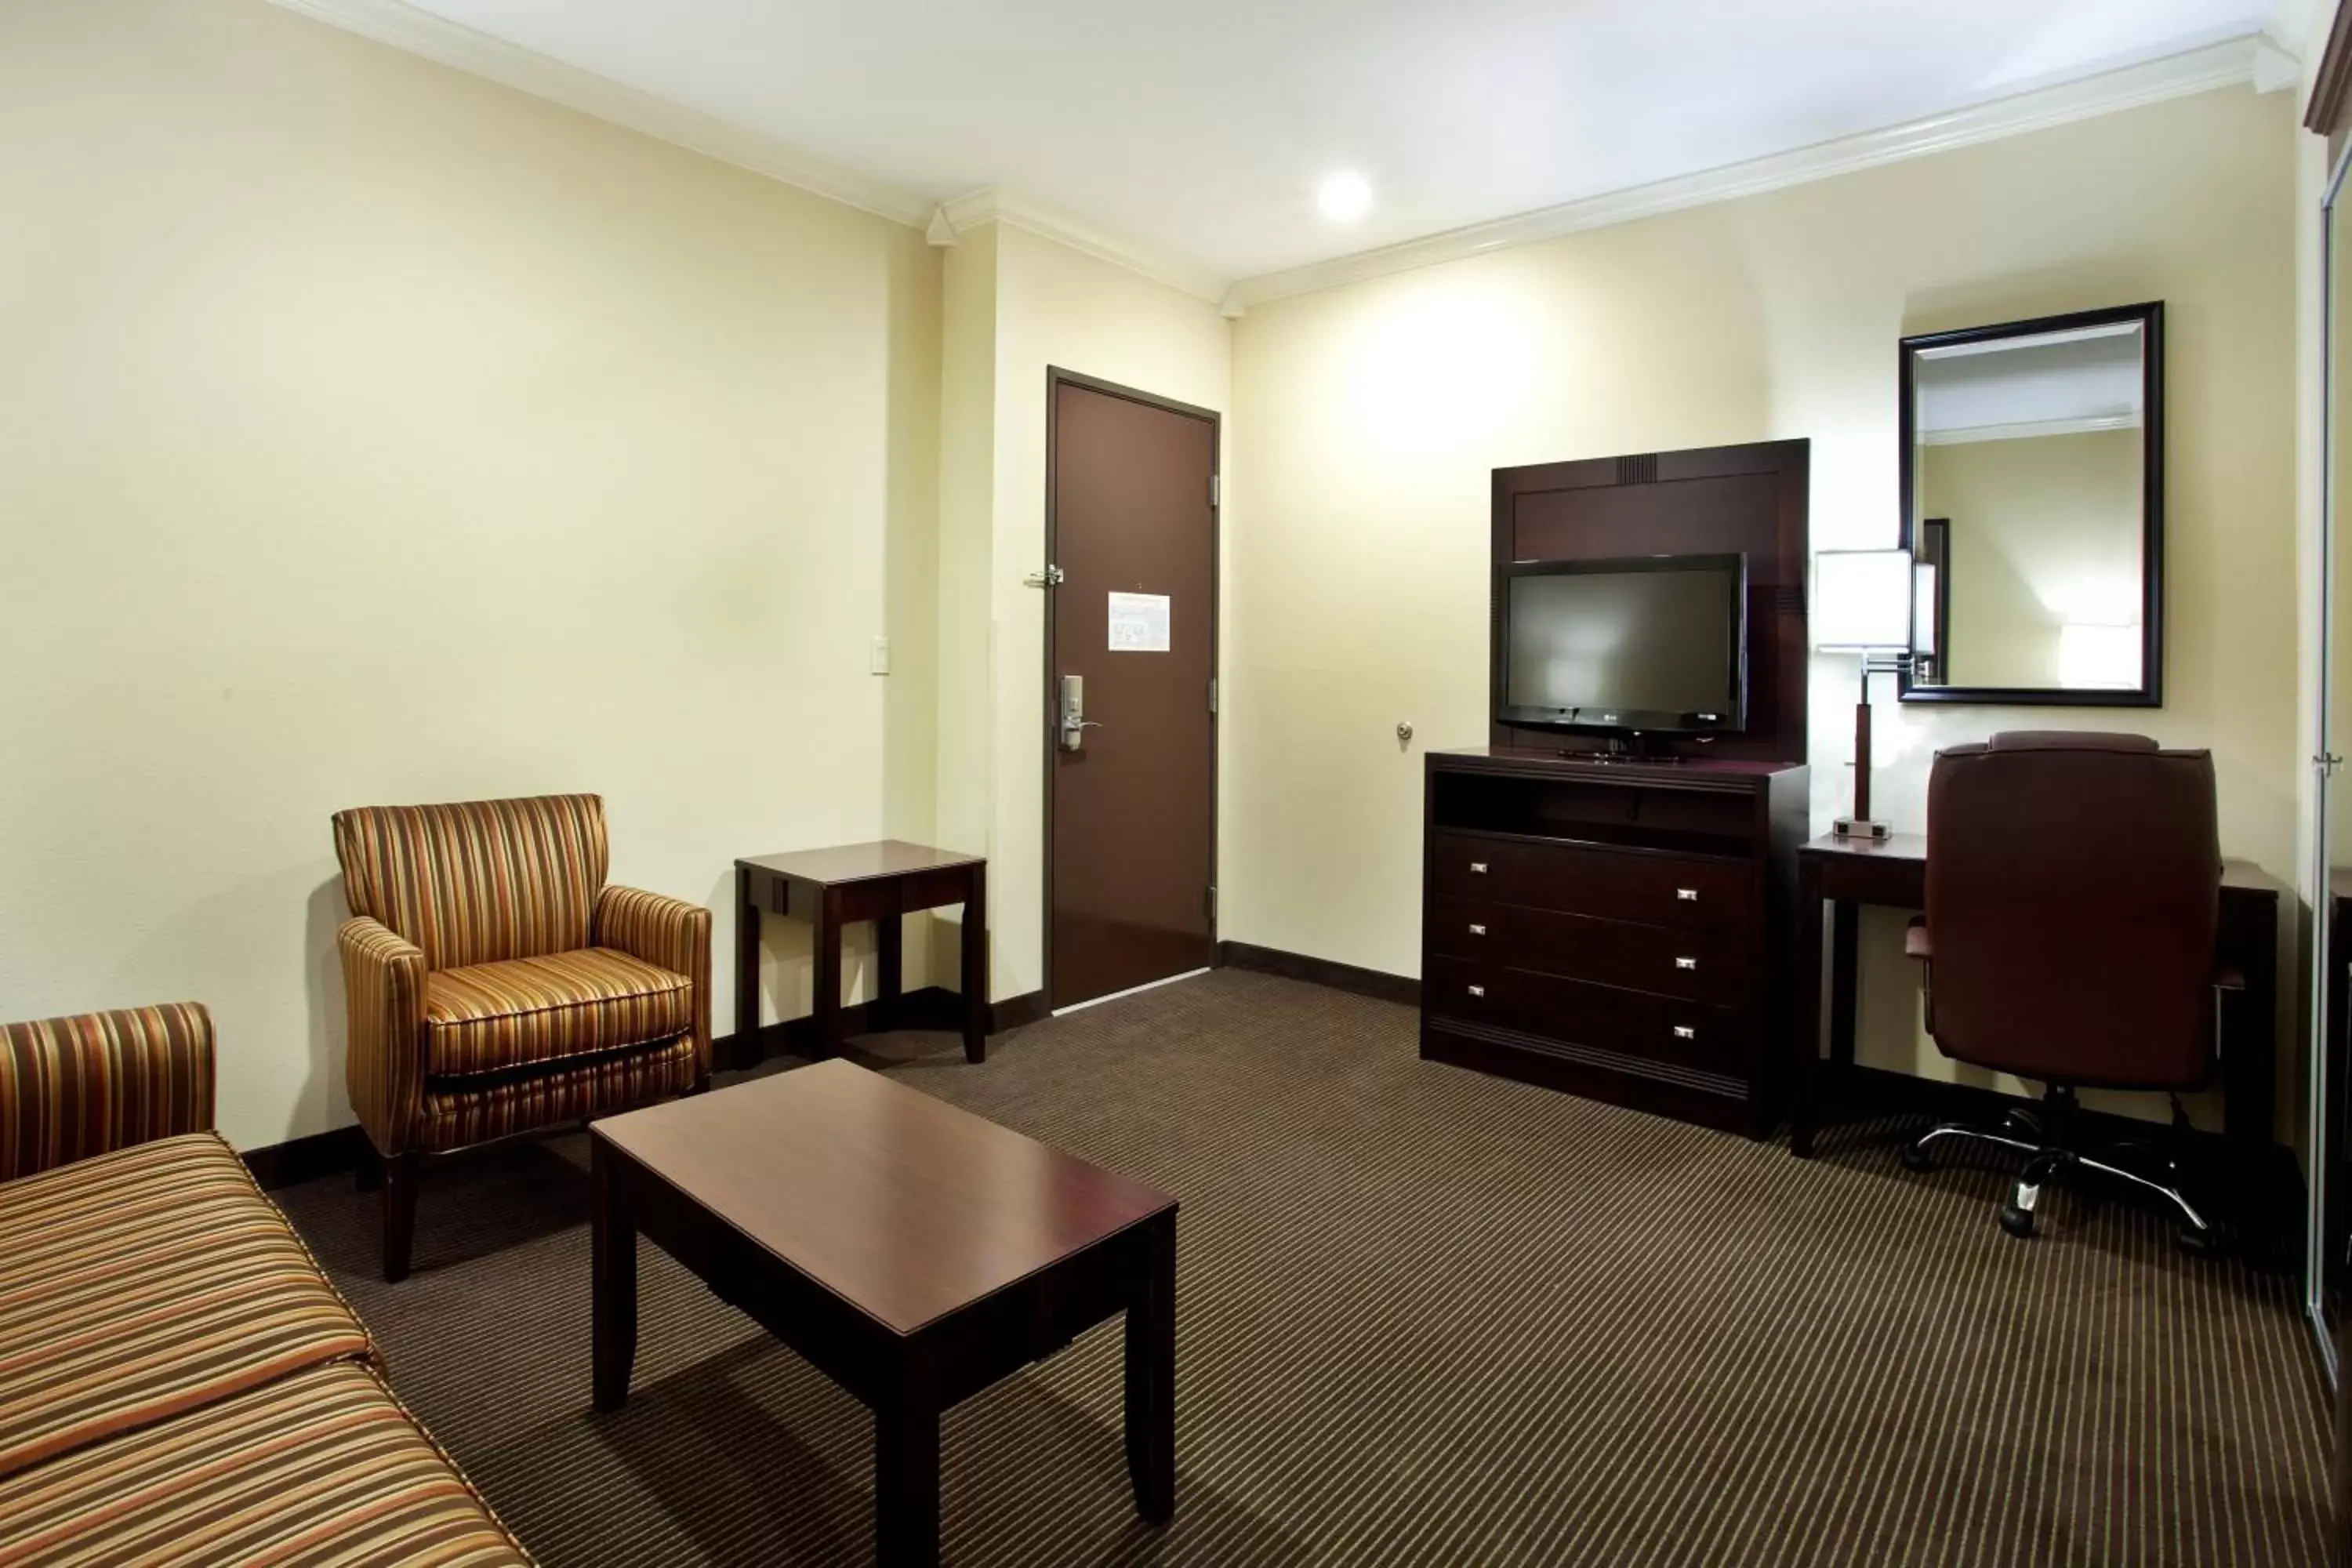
(1202, 130)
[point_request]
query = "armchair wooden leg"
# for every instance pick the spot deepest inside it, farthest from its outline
(399, 1214)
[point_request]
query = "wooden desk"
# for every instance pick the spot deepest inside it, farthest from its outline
(913, 1252)
(878, 882)
(1847, 873)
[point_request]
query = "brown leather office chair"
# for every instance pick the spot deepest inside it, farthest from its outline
(2073, 899)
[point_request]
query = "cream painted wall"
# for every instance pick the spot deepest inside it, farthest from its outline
(963, 804)
(1356, 532)
(370, 432)
(1052, 307)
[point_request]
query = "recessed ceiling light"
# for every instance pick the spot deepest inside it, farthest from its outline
(1344, 198)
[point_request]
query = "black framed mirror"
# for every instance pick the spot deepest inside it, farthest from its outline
(2033, 469)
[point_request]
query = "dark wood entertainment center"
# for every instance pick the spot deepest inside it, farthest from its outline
(1620, 926)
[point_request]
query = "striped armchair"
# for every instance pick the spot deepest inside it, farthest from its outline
(495, 985)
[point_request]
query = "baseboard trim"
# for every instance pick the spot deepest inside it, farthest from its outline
(1029, 1007)
(932, 1007)
(1387, 988)
(335, 1152)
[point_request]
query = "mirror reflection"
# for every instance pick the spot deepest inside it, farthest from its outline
(2328, 1233)
(2031, 510)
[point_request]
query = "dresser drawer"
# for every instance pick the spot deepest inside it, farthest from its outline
(1694, 965)
(1681, 892)
(1632, 1022)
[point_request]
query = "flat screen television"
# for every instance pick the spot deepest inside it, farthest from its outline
(1655, 645)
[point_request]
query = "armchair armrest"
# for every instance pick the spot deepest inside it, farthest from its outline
(383, 997)
(667, 931)
(71, 1088)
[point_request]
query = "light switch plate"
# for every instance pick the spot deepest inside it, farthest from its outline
(881, 664)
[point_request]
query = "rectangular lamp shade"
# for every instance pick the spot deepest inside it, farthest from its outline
(1862, 601)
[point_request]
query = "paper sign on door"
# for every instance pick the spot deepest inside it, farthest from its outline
(1139, 623)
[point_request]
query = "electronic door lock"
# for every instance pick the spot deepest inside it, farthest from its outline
(1074, 722)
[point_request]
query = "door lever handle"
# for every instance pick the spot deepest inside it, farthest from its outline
(1072, 721)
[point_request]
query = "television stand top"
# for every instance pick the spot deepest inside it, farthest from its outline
(1617, 756)
(1556, 758)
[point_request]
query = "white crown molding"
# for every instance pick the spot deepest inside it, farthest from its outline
(416, 32)
(2218, 65)
(2084, 425)
(2275, 69)
(993, 204)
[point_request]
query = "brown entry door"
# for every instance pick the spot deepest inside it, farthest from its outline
(1131, 522)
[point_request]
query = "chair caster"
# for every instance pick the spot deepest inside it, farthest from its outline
(1917, 1159)
(2018, 1222)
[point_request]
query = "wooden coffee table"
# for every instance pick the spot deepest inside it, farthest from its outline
(914, 1252)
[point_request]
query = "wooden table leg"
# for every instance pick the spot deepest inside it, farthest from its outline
(975, 968)
(824, 956)
(613, 1246)
(905, 1484)
(1152, 1376)
(400, 1176)
(889, 934)
(1805, 1030)
(1845, 941)
(746, 1051)
(2256, 1180)
(2248, 1047)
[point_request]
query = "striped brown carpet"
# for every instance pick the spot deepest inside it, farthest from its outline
(1426, 1317)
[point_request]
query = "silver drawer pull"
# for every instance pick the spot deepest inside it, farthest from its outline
(1687, 895)
(1685, 963)
(1477, 867)
(1477, 931)
(1477, 991)
(1685, 1032)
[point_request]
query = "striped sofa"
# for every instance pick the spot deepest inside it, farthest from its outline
(496, 984)
(179, 1382)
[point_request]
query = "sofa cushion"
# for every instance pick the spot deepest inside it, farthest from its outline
(321, 1467)
(489, 1017)
(139, 1284)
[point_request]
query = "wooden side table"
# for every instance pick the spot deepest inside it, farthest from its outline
(879, 882)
